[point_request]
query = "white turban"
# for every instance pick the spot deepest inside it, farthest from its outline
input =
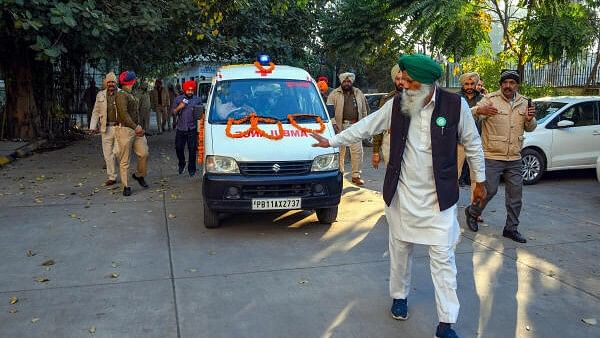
(467, 76)
(348, 75)
(395, 70)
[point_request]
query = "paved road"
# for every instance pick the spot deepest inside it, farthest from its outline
(144, 266)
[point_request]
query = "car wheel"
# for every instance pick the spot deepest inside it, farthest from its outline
(211, 218)
(327, 215)
(533, 166)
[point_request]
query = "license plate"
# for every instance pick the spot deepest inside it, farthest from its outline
(276, 203)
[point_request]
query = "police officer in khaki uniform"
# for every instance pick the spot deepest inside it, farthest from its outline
(143, 97)
(159, 100)
(129, 134)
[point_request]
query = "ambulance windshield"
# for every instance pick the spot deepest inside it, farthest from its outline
(272, 98)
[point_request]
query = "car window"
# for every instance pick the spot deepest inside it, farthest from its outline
(545, 109)
(272, 98)
(582, 114)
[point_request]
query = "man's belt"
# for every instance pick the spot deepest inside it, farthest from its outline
(112, 124)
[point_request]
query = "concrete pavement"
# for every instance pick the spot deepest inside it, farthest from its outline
(145, 266)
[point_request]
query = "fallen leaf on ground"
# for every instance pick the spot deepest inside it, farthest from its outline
(13, 311)
(114, 275)
(212, 253)
(590, 321)
(35, 319)
(92, 329)
(113, 212)
(30, 253)
(13, 300)
(527, 328)
(73, 215)
(115, 264)
(173, 196)
(48, 262)
(303, 282)
(39, 200)
(171, 216)
(42, 279)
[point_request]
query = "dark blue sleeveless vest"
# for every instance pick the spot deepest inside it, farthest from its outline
(443, 148)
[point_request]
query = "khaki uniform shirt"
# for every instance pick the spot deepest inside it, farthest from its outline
(127, 107)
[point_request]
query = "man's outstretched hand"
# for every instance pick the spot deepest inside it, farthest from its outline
(321, 141)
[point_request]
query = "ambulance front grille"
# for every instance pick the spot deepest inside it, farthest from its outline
(276, 190)
(275, 168)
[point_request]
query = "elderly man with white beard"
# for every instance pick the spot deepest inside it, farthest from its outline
(421, 184)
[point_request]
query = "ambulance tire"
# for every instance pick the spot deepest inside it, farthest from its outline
(211, 218)
(327, 215)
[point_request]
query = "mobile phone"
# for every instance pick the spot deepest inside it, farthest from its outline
(186, 101)
(529, 103)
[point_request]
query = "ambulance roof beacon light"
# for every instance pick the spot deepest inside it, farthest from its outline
(264, 59)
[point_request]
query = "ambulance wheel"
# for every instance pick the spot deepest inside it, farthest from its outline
(327, 215)
(211, 218)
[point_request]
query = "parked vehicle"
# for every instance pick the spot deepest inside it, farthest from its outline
(567, 136)
(373, 101)
(598, 168)
(258, 153)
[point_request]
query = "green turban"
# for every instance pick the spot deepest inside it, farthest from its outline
(420, 68)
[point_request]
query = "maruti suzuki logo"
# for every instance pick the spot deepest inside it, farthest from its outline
(276, 167)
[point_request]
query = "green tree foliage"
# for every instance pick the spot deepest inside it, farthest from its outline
(46, 43)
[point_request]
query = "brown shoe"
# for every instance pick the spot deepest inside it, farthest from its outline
(357, 181)
(109, 182)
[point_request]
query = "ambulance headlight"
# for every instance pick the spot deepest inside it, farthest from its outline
(221, 165)
(326, 162)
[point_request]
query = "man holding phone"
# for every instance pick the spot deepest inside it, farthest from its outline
(187, 109)
(505, 115)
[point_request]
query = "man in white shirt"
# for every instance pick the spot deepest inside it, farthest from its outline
(421, 183)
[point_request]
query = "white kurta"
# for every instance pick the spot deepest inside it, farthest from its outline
(414, 215)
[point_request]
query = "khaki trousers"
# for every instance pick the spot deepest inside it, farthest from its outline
(443, 273)
(145, 120)
(161, 118)
(108, 150)
(356, 154)
(126, 140)
(460, 161)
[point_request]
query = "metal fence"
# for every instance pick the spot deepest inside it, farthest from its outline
(562, 73)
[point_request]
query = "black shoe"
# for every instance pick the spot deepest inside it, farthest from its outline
(192, 173)
(445, 332)
(181, 169)
(127, 191)
(514, 235)
(140, 180)
(471, 220)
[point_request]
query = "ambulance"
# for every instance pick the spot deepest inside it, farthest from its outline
(256, 144)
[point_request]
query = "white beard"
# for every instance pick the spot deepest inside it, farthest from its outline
(414, 100)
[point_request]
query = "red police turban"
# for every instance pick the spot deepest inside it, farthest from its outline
(127, 78)
(190, 84)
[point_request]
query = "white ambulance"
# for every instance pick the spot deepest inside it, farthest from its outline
(257, 145)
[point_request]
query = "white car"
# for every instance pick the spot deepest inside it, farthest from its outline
(598, 168)
(567, 136)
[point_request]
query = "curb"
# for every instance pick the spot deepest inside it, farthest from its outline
(21, 152)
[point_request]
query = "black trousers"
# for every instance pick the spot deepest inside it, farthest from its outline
(191, 138)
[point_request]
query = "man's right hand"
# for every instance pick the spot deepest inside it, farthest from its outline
(139, 131)
(322, 142)
(375, 159)
(487, 110)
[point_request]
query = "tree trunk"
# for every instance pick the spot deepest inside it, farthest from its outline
(592, 77)
(23, 120)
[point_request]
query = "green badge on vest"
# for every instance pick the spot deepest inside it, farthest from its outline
(440, 121)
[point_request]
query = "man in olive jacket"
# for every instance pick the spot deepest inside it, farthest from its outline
(505, 116)
(350, 106)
